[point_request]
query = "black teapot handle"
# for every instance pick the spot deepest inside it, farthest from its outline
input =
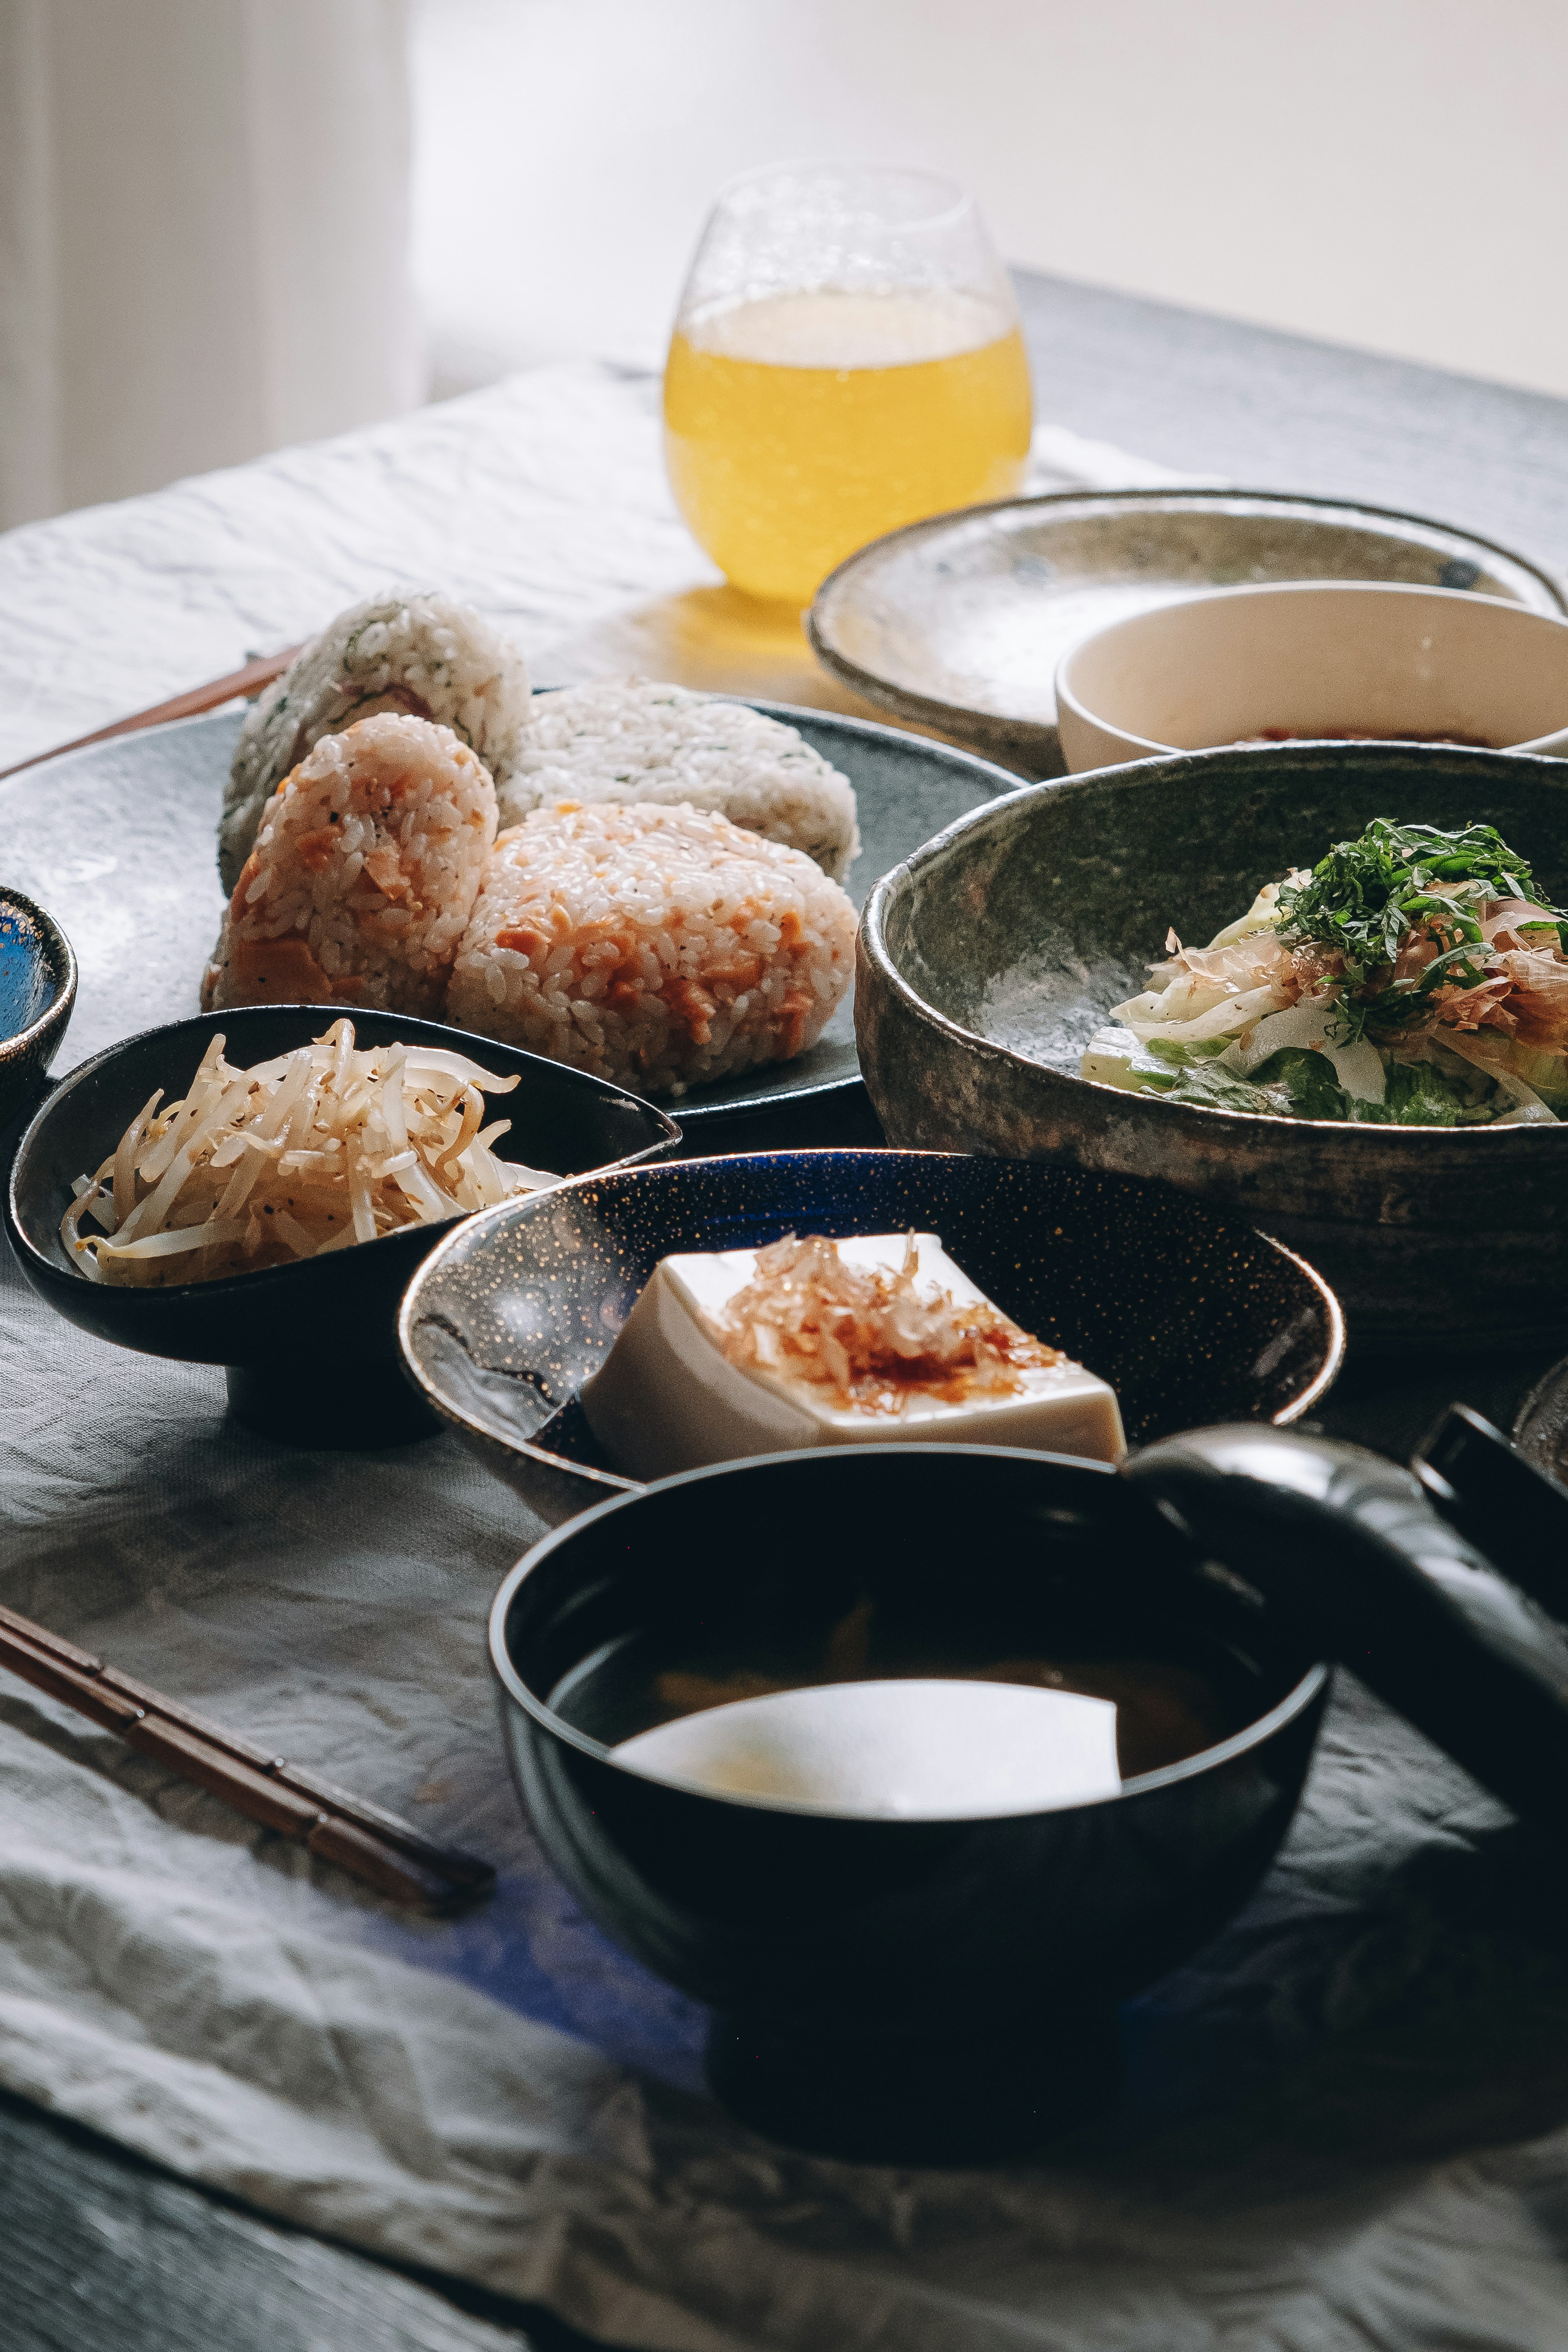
(1347, 1548)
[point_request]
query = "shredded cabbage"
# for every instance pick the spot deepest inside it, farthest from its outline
(1270, 1018)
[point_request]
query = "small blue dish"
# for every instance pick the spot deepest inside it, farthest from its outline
(37, 990)
(1190, 1315)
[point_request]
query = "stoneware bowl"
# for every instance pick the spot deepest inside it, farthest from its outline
(959, 623)
(1334, 659)
(1190, 1317)
(37, 990)
(310, 1348)
(987, 962)
(907, 1990)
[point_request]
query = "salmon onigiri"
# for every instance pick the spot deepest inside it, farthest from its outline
(425, 656)
(662, 947)
(365, 872)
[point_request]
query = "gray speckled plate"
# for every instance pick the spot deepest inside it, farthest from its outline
(116, 841)
(959, 623)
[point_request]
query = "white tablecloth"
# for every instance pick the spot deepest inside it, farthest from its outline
(1332, 2129)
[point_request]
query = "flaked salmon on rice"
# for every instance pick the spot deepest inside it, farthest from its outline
(426, 655)
(364, 872)
(659, 947)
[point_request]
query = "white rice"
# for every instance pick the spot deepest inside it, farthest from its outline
(630, 740)
(660, 947)
(364, 874)
(423, 655)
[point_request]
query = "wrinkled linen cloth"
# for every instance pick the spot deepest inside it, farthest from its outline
(1342, 2123)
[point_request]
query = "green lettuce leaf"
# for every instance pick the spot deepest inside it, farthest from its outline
(1308, 1084)
(1419, 1094)
(1190, 1074)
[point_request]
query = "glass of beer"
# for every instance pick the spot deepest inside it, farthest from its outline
(846, 358)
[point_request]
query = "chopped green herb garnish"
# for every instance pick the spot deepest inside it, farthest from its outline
(1365, 898)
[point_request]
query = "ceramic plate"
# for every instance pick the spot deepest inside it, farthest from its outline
(117, 841)
(1191, 1317)
(958, 622)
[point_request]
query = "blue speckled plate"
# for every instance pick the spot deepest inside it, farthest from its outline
(1191, 1318)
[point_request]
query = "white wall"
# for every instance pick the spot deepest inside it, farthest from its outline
(1387, 172)
(203, 237)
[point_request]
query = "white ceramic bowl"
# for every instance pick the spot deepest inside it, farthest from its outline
(1327, 658)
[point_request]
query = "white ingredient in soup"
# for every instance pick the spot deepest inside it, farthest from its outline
(900, 1750)
(310, 1152)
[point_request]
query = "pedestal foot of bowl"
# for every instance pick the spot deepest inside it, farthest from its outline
(359, 1406)
(937, 2098)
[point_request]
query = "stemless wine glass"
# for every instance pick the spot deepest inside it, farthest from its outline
(846, 358)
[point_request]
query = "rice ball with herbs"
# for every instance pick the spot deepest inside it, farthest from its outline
(363, 876)
(663, 947)
(426, 656)
(630, 740)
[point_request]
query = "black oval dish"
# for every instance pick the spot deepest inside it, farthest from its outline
(1191, 1317)
(37, 990)
(902, 1990)
(312, 1350)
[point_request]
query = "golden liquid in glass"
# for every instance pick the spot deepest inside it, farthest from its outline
(800, 425)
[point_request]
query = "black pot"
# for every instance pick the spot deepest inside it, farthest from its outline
(311, 1349)
(904, 1990)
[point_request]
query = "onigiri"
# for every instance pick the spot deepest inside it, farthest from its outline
(425, 655)
(364, 874)
(660, 947)
(632, 740)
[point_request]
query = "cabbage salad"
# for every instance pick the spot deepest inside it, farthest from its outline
(1413, 978)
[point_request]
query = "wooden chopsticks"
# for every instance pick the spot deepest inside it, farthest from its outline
(386, 1853)
(248, 681)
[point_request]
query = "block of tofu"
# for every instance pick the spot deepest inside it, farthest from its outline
(669, 1397)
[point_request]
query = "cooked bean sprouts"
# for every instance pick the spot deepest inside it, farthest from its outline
(314, 1151)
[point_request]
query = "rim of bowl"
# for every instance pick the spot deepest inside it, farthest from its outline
(873, 943)
(619, 1485)
(1300, 1694)
(936, 712)
(1249, 591)
(248, 1284)
(19, 1040)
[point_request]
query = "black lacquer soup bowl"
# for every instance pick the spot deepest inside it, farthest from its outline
(903, 1988)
